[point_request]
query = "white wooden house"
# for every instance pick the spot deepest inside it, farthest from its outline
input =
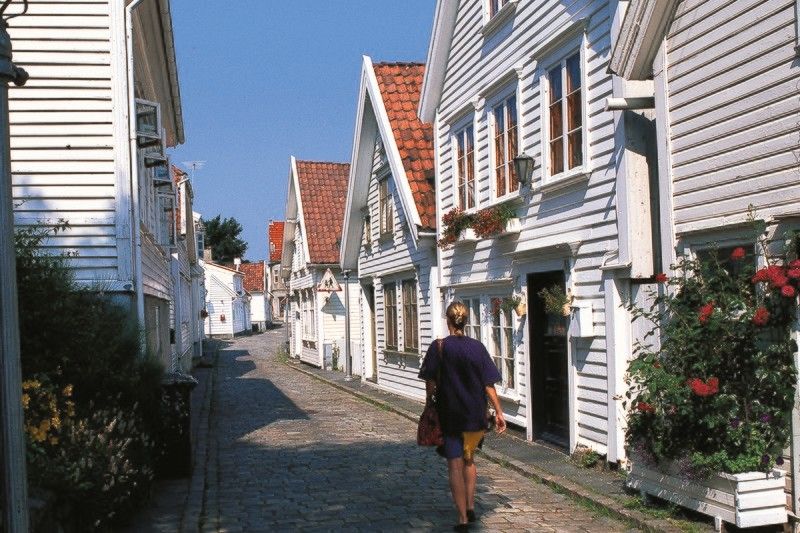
(255, 283)
(226, 303)
(310, 264)
(88, 140)
(722, 79)
(506, 79)
(389, 233)
(276, 288)
(187, 328)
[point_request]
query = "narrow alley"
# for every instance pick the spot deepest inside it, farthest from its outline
(285, 452)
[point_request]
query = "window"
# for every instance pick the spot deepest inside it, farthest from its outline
(465, 167)
(565, 123)
(390, 308)
(505, 146)
(723, 255)
(473, 326)
(410, 322)
(386, 211)
(307, 308)
(501, 347)
(166, 222)
(495, 6)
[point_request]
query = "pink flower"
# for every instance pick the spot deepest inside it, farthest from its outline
(760, 317)
(738, 254)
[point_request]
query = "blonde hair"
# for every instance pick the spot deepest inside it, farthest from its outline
(457, 315)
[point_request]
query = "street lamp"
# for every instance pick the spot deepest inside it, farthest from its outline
(13, 491)
(523, 168)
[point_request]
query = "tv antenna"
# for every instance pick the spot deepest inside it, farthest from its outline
(194, 165)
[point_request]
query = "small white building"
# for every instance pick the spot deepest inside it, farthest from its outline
(255, 283)
(276, 288)
(310, 265)
(389, 235)
(227, 303)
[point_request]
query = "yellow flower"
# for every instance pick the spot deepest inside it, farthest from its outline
(31, 384)
(44, 426)
(26, 399)
(53, 440)
(67, 391)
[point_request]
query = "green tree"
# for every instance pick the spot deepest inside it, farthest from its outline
(222, 236)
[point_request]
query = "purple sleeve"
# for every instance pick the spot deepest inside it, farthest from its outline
(430, 365)
(490, 373)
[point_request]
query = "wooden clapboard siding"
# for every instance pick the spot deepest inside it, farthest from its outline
(581, 213)
(403, 258)
(732, 96)
(62, 140)
(218, 303)
(156, 278)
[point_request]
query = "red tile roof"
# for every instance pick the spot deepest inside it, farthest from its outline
(253, 276)
(275, 234)
(400, 85)
(323, 192)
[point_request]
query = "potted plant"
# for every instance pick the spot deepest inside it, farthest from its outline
(455, 226)
(495, 221)
(710, 403)
(557, 301)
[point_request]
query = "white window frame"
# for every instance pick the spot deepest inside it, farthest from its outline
(459, 131)
(474, 325)
(396, 345)
(500, 98)
(385, 209)
(557, 59)
(402, 306)
(507, 321)
(492, 21)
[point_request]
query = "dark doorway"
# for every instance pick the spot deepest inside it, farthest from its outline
(370, 294)
(549, 362)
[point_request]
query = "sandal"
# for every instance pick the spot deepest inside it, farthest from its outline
(471, 515)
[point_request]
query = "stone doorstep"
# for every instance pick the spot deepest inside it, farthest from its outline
(560, 483)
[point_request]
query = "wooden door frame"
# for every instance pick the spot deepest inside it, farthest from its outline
(541, 267)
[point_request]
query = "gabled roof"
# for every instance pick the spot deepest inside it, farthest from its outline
(388, 97)
(253, 276)
(444, 23)
(223, 267)
(322, 190)
(400, 85)
(275, 236)
(643, 30)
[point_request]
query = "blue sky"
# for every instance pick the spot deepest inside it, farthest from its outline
(265, 79)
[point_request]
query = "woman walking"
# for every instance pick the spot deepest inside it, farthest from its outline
(466, 376)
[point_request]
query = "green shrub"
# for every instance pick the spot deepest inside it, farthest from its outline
(92, 402)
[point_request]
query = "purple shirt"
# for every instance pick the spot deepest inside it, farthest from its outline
(466, 370)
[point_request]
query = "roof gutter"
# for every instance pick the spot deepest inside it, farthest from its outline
(172, 67)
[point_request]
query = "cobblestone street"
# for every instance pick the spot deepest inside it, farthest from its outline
(290, 453)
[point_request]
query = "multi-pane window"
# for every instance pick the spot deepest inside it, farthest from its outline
(473, 326)
(501, 347)
(309, 313)
(390, 313)
(385, 205)
(410, 322)
(565, 109)
(495, 6)
(465, 167)
(505, 146)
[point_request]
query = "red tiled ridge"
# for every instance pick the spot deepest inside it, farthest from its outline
(323, 192)
(400, 85)
(253, 276)
(275, 234)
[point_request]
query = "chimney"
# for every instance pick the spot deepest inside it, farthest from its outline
(237, 261)
(207, 255)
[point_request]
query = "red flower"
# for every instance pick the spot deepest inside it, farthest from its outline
(645, 407)
(773, 274)
(661, 278)
(794, 264)
(788, 291)
(705, 312)
(793, 273)
(761, 317)
(704, 388)
(738, 254)
(656, 364)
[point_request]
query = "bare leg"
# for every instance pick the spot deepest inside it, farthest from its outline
(470, 480)
(456, 472)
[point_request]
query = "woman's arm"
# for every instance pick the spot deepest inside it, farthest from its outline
(495, 401)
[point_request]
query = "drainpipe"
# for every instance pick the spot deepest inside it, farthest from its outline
(135, 207)
(348, 362)
(14, 490)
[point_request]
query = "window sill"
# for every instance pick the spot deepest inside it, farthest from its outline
(499, 18)
(509, 395)
(401, 354)
(386, 237)
(565, 180)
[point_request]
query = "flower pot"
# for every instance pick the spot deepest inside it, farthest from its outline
(513, 227)
(467, 235)
(746, 500)
(521, 309)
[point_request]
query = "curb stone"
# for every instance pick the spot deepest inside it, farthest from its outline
(570, 488)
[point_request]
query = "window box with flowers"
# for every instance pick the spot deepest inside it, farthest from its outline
(710, 405)
(496, 221)
(457, 227)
